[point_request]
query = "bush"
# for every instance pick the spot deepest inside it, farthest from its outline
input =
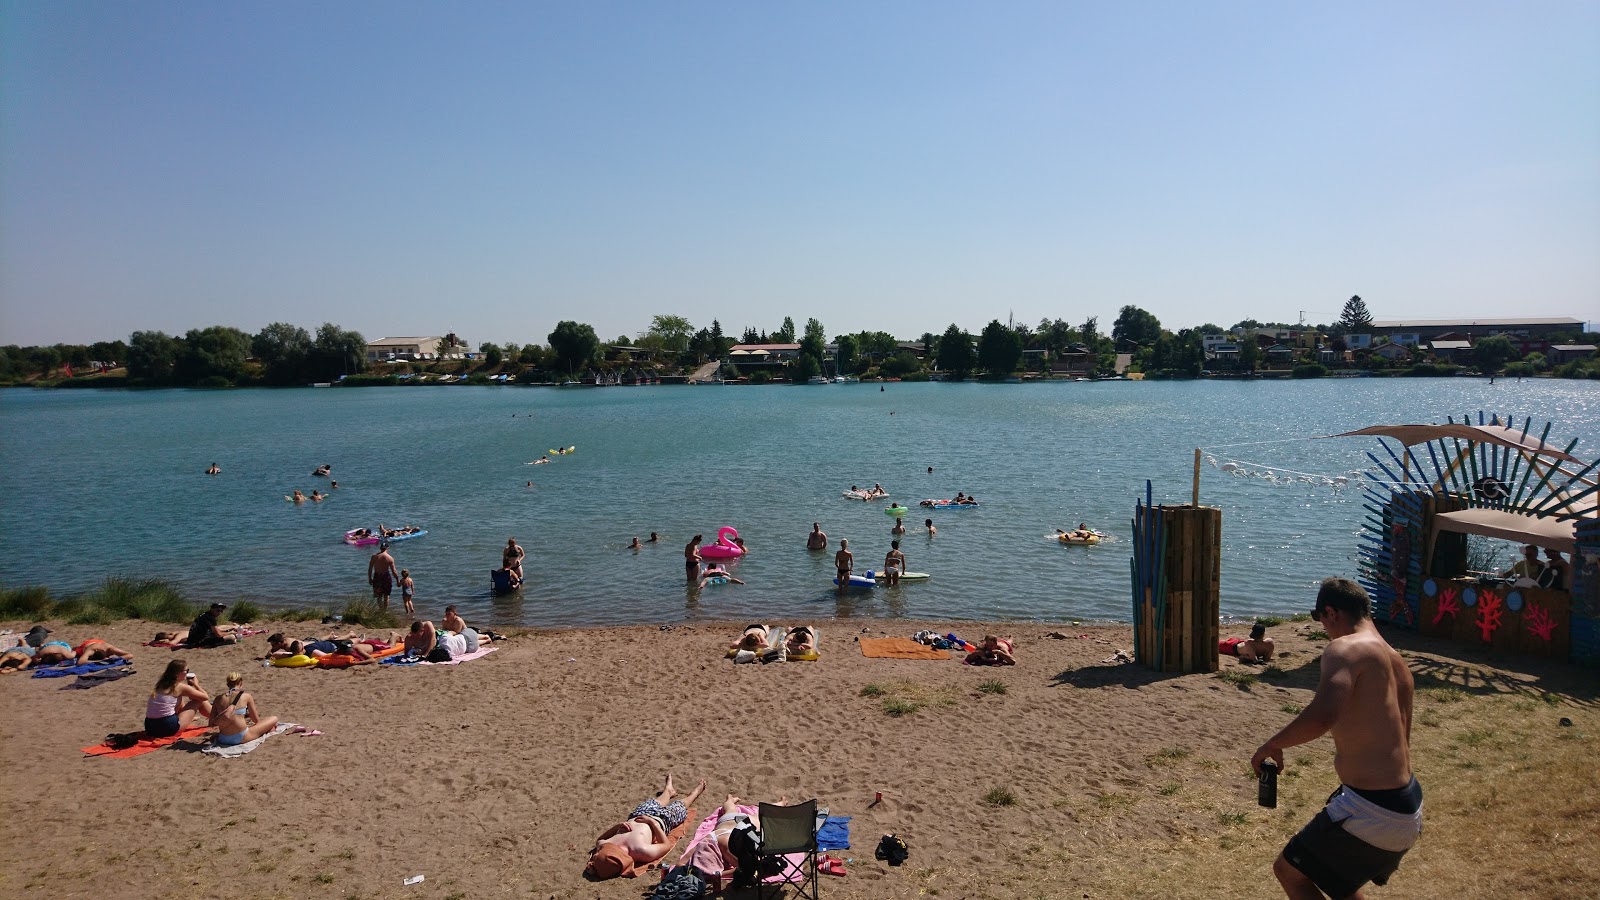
(31, 603)
(1000, 796)
(1309, 370)
(365, 611)
(369, 381)
(1431, 370)
(244, 612)
(992, 686)
(152, 600)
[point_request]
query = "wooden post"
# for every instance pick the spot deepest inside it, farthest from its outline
(1177, 580)
(1195, 499)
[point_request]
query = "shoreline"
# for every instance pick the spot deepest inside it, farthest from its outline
(1061, 776)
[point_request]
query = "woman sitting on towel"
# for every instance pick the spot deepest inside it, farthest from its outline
(233, 713)
(177, 699)
(753, 639)
(800, 641)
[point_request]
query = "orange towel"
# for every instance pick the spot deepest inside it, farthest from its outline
(899, 648)
(146, 744)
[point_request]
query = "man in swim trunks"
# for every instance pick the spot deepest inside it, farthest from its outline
(928, 524)
(816, 540)
(894, 562)
(1364, 698)
(844, 561)
(382, 574)
(691, 558)
(422, 638)
(641, 840)
(1256, 648)
(899, 527)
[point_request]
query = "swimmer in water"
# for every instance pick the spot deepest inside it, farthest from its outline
(635, 545)
(214, 470)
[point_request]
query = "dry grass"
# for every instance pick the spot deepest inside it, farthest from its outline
(1512, 808)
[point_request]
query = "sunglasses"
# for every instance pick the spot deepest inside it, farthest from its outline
(1316, 615)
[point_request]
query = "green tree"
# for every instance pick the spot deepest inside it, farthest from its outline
(801, 370)
(846, 355)
(877, 343)
(1355, 319)
(1491, 353)
(491, 354)
(215, 354)
(718, 340)
(109, 351)
(532, 355)
(1249, 353)
(900, 364)
(784, 335)
(573, 345)
(282, 349)
(1090, 333)
(999, 349)
(674, 332)
(752, 336)
(152, 355)
(955, 352)
(336, 352)
(1137, 325)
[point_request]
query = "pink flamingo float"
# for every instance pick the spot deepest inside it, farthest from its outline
(724, 548)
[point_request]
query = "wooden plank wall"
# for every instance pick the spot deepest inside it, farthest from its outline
(1179, 602)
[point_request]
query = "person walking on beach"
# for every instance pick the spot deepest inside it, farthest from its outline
(382, 574)
(844, 561)
(894, 562)
(691, 558)
(1364, 698)
(816, 540)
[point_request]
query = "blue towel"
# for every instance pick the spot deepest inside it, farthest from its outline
(61, 671)
(834, 834)
(404, 659)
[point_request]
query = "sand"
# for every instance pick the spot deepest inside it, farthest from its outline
(492, 778)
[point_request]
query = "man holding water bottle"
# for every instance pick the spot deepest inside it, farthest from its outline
(1363, 698)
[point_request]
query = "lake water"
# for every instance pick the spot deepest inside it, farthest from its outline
(109, 483)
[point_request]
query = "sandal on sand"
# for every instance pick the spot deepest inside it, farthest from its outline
(831, 865)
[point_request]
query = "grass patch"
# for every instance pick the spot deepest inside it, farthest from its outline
(1170, 788)
(1475, 737)
(1318, 635)
(1000, 796)
(902, 698)
(1273, 671)
(31, 603)
(900, 706)
(1112, 800)
(1238, 678)
(992, 686)
(1230, 819)
(1269, 621)
(1166, 756)
(1445, 694)
(1293, 709)
(365, 611)
(322, 878)
(302, 614)
(244, 612)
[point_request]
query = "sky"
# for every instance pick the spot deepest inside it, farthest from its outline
(489, 169)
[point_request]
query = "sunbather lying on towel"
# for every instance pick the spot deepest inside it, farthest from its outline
(711, 855)
(50, 653)
(994, 651)
(95, 650)
(16, 658)
(801, 640)
(641, 840)
(754, 638)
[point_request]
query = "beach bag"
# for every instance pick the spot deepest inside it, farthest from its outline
(121, 741)
(681, 883)
(893, 850)
(438, 655)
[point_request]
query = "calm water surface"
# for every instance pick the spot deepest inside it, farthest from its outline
(109, 483)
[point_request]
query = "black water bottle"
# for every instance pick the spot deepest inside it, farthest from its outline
(1267, 785)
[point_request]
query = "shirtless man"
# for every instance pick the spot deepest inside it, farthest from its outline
(452, 621)
(816, 540)
(511, 557)
(899, 527)
(653, 538)
(894, 562)
(1364, 699)
(382, 574)
(422, 638)
(214, 470)
(642, 839)
(1256, 648)
(691, 558)
(928, 524)
(844, 561)
(635, 545)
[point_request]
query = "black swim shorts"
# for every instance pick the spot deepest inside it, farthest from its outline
(1336, 861)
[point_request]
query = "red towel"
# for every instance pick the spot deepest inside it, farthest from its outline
(145, 744)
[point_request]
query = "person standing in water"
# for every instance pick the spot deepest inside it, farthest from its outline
(382, 574)
(894, 562)
(928, 524)
(844, 561)
(691, 558)
(816, 540)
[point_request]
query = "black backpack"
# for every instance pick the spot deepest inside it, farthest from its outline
(893, 849)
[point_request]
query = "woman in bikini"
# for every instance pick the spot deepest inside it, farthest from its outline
(95, 650)
(800, 641)
(753, 639)
(174, 703)
(233, 714)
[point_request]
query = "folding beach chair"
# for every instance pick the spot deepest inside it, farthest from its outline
(787, 831)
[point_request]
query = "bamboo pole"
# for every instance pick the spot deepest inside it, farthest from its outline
(1195, 500)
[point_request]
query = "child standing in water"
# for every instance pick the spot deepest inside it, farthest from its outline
(407, 588)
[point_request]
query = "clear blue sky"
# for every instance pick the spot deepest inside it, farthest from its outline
(409, 168)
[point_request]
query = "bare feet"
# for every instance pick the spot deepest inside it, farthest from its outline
(669, 790)
(695, 794)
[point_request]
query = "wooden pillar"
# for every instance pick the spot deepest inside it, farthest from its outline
(1177, 571)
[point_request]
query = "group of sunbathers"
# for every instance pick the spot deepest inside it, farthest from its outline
(35, 649)
(645, 837)
(453, 634)
(873, 493)
(801, 640)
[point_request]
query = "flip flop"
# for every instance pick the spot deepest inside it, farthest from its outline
(831, 865)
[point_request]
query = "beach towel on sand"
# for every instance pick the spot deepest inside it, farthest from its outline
(404, 660)
(899, 648)
(62, 671)
(144, 744)
(215, 749)
(834, 834)
(816, 641)
(83, 682)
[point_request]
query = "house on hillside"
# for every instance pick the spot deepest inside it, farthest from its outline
(392, 349)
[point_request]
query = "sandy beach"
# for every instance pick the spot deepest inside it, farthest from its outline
(493, 777)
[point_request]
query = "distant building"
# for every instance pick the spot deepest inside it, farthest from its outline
(1471, 329)
(1358, 341)
(1392, 352)
(1565, 353)
(403, 348)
